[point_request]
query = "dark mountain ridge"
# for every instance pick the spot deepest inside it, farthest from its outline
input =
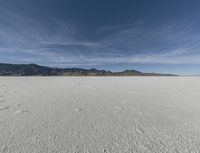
(38, 70)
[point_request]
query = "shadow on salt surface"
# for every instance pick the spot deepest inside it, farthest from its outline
(4, 108)
(5, 149)
(1, 101)
(78, 109)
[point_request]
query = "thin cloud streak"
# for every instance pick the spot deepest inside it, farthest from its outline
(25, 40)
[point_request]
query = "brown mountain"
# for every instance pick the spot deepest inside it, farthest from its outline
(37, 70)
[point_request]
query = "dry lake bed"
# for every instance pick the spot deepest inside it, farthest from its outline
(99, 114)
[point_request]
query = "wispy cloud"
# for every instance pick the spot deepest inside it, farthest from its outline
(25, 40)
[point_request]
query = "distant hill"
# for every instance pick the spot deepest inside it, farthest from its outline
(37, 70)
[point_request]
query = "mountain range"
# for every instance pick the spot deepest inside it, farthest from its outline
(38, 70)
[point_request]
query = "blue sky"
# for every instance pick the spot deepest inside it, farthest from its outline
(147, 35)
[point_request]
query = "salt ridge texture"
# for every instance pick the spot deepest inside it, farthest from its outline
(99, 114)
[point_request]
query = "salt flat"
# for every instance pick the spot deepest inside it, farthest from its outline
(99, 114)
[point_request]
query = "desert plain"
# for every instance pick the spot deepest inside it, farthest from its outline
(99, 114)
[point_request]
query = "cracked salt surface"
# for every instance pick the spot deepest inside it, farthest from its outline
(124, 114)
